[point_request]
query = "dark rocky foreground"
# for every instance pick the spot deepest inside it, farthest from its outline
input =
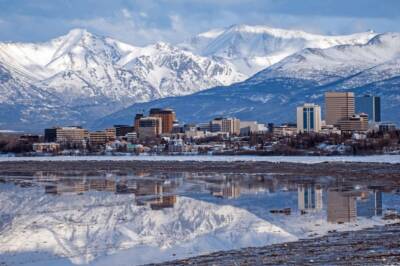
(374, 246)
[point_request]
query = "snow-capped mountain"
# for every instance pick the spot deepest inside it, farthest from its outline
(253, 48)
(375, 60)
(273, 94)
(81, 77)
(97, 75)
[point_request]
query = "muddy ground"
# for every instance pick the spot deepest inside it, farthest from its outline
(357, 171)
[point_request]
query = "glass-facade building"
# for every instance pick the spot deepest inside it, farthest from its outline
(309, 118)
(371, 105)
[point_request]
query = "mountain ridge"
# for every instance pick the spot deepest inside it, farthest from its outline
(96, 76)
(272, 94)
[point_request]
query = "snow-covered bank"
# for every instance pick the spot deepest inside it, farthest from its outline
(393, 159)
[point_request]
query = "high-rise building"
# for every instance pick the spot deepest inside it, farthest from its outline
(371, 105)
(309, 118)
(150, 127)
(167, 116)
(309, 197)
(339, 105)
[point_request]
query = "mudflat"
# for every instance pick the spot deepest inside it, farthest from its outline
(351, 170)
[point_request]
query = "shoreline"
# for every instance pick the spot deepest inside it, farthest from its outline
(377, 245)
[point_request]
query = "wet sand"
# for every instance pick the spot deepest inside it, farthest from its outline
(362, 171)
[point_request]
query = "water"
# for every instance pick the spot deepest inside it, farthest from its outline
(115, 218)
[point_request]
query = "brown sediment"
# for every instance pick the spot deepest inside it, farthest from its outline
(334, 169)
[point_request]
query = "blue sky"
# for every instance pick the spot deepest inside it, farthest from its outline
(146, 21)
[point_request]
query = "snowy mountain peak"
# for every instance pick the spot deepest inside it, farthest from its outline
(76, 33)
(95, 75)
(253, 48)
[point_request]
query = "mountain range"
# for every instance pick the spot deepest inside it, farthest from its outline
(252, 72)
(272, 94)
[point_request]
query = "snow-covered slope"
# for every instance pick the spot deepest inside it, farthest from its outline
(96, 76)
(253, 48)
(376, 60)
(99, 75)
(273, 94)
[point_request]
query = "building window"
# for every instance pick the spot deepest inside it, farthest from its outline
(311, 118)
(305, 125)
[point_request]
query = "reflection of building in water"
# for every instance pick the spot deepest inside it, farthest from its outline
(309, 197)
(163, 202)
(75, 186)
(228, 190)
(102, 185)
(369, 204)
(341, 206)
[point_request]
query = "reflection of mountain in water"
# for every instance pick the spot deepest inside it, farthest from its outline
(135, 219)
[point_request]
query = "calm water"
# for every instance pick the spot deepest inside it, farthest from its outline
(135, 218)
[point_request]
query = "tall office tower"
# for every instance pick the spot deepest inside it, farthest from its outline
(150, 127)
(167, 116)
(339, 105)
(341, 207)
(371, 105)
(309, 118)
(309, 197)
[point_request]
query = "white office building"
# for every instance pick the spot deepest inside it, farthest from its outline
(309, 118)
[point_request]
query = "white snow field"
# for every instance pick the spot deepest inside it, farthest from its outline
(393, 159)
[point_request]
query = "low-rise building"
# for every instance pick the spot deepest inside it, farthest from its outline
(98, 138)
(248, 127)
(387, 127)
(285, 130)
(354, 123)
(123, 130)
(46, 147)
(70, 135)
(230, 125)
